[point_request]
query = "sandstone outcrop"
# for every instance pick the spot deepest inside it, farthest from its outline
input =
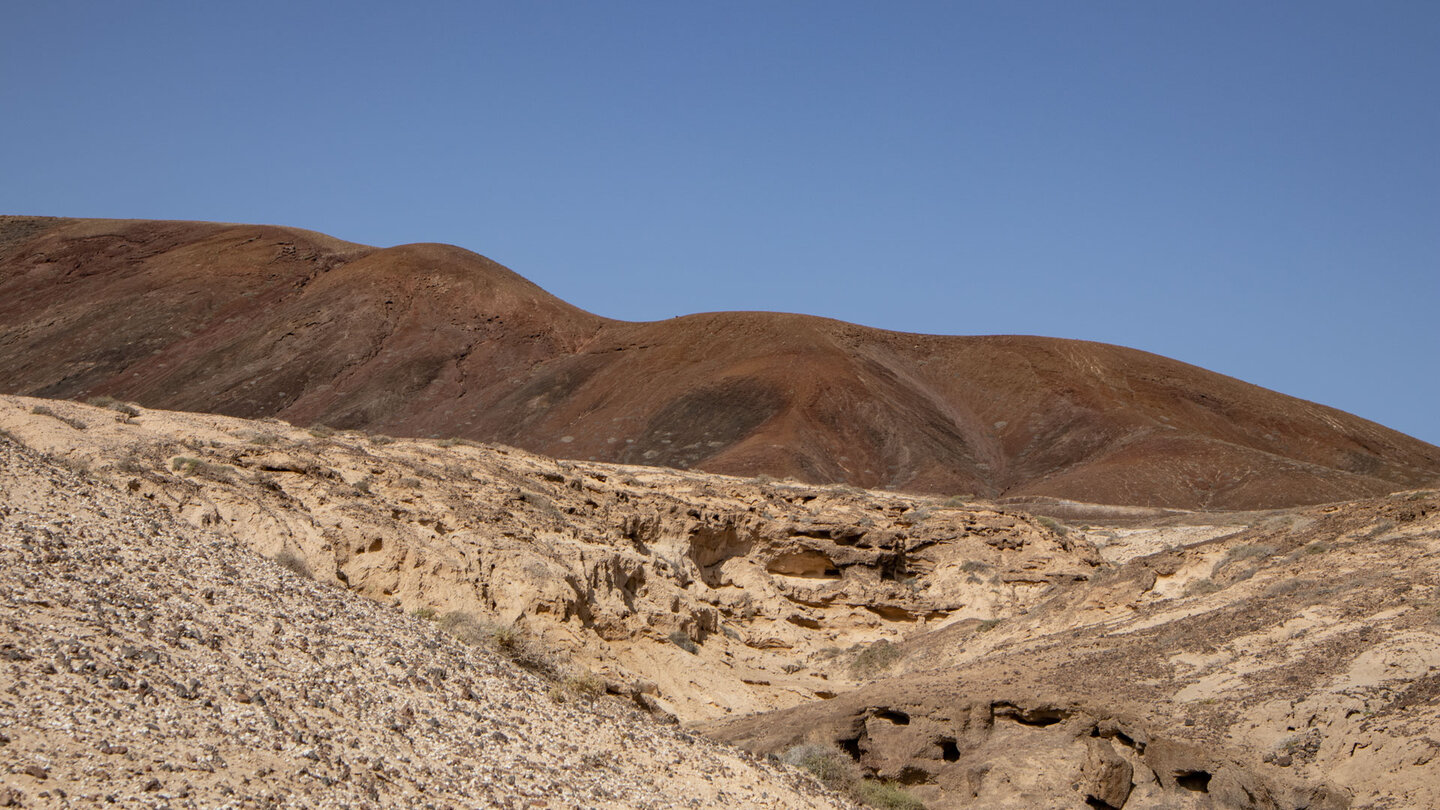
(764, 585)
(148, 663)
(1287, 664)
(972, 654)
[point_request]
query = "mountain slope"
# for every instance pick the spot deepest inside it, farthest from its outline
(432, 340)
(146, 662)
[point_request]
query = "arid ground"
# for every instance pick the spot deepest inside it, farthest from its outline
(292, 522)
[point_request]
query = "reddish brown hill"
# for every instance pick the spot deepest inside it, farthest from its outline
(434, 340)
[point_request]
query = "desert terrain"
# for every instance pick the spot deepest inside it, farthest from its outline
(293, 522)
(435, 341)
(954, 652)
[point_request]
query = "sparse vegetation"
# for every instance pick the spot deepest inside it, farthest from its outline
(187, 465)
(584, 684)
(840, 773)
(426, 613)
(464, 627)
(132, 463)
(321, 431)
(988, 625)
(114, 404)
(975, 566)
(1202, 586)
(875, 659)
(682, 640)
(1285, 586)
(1053, 525)
(1378, 529)
(507, 639)
(916, 516)
(294, 563)
(886, 796)
(826, 763)
(1248, 551)
(79, 466)
(958, 501)
(44, 410)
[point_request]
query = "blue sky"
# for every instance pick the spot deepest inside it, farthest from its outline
(1250, 187)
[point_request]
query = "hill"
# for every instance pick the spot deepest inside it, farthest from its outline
(432, 340)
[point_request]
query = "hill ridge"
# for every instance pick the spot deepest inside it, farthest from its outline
(258, 321)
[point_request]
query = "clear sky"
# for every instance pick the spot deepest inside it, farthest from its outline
(1252, 187)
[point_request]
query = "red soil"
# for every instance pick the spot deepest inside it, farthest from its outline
(433, 340)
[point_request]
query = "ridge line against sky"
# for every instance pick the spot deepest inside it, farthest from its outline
(1253, 189)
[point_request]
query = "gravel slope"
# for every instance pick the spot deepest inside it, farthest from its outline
(151, 664)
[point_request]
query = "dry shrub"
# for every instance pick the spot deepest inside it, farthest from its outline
(44, 410)
(875, 659)
(294, 563)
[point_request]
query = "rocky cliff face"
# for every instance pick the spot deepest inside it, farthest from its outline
(1291, 663)
(435, 341)
(708, 595)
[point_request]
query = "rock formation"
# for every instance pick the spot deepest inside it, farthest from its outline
(965, 652)
(148, 663)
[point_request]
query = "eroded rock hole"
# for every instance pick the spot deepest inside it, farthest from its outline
(1099, 804)
(850, 747)
(712, 547)
(898, 718)
(1120, 737)
(911, 775)
(811, 564)
(1041, 717)
(949, 751)
(1197, 781)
